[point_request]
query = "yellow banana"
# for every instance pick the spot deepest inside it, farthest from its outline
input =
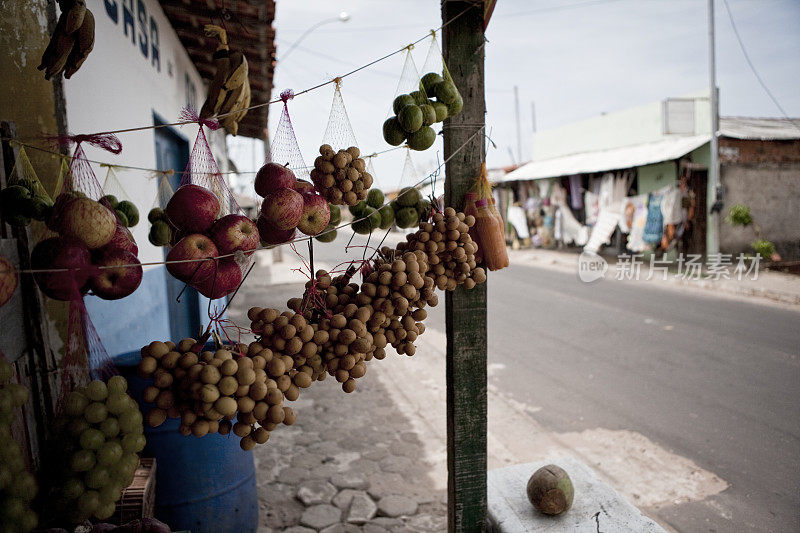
(84, 43)
(238, 70)
(216, 91)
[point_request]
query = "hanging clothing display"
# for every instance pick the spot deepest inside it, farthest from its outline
(576, 198)
(654, 227)
(671, 206)
(638, 220)
(592, 202)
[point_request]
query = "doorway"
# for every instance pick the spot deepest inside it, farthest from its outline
(172, 153)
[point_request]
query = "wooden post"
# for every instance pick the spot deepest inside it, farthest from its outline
(465, 310)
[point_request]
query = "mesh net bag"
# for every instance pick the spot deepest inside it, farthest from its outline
(438, 84)
(200, 214)
(340, 173)
(412, 112)
(284, 149)
(24, 199)
(116, 197)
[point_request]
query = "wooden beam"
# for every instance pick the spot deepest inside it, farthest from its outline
(465, 310)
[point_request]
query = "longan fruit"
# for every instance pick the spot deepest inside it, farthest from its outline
(349, 385)
(162, 379)
(207, 356)
(157, 349)
(228, 386)
(276, 367)
(245, 404)
(156, 417)
(209, 393)
(245, 375)
(284, 382)
(210, 374)
(200, 428)
(358, 370)
(302, 380)
(276, 414)
(225, 405)
(241, 430)
(274, 397)
(185, 345)
(260, 410)
(242, 390)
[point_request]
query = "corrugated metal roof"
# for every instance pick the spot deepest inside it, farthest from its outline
(602, 160)
(765, 129)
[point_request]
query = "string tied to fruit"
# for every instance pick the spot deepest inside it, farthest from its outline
(287, 95)
(106, 141)
(190, 114)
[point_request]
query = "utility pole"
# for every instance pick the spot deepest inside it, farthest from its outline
(533, 125)
(465, 310)
(712, 223)
(519, 130)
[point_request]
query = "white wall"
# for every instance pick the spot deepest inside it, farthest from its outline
(119, 87)
(637, 125)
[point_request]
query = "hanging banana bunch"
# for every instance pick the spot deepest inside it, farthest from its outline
(229, 92)
(71, 41)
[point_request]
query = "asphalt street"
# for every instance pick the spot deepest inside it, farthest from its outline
(711, 379)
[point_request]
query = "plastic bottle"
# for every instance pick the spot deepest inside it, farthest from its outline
(491, 236)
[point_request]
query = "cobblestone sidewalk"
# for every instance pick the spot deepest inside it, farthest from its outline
(351, 462)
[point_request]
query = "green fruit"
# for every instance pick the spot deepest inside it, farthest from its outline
(446, 92)
(40, 208)
(122, 217)
(5, 478)
(77, 427)
(72, 488)
(387, 216)
(28, 521)
(111, 452)
(24, 487)
(117, 384)
(336, 215)
(19, 394)
(76, 403)
(97, 391)
(441, 111)
(92, 439)
(131, 212)
(117, 403)
(369, 221)
(6, 371)
(428, 114)
(156, 214)
(160, 233)
(375, 198)
(422, 139)
(358, 209)
(12, 509)
(97, 477)
(111, 199)
(392, 132)
(328, 234)
(11, 196)
(95, 413)
(109, 427)
(401, 101)
(105, 510)
(407, 217)
(133, 443)
(424, 209)
(88, 502)
(429, 80)
(408, 197)
(82, 461)
(131, 422)
(455, 108)
(419, 97)
(410, 118)
(111, 492)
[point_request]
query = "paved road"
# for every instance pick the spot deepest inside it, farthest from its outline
(713, 380)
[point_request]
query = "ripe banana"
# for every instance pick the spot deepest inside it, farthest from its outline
(84, 42)
(229, 91)
(216, 93)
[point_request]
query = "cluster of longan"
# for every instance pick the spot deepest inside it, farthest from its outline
(209, 390)
(449, 248)
(341, 176)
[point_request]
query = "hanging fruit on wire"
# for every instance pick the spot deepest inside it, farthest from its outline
(229, 92)
(71, 42)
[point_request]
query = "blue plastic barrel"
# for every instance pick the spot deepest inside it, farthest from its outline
(205, 485)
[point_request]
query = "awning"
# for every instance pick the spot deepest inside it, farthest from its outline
(605, 160)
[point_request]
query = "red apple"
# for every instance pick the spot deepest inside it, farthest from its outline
(304, 187)
(234, 232)
(316, 214)
(272, 235)
(228, 277)
(273, 176)
(122, 240)
(195, 246)
(88, 221)
(115, 277)
(283, 208)
(62, 252)
(8, 281)
(192, 208)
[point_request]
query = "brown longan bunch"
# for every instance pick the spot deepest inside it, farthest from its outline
(341, 176)
(210, 389)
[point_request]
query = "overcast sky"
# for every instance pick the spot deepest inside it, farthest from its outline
(573, 58)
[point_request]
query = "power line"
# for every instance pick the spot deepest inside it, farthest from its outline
(753, 67)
